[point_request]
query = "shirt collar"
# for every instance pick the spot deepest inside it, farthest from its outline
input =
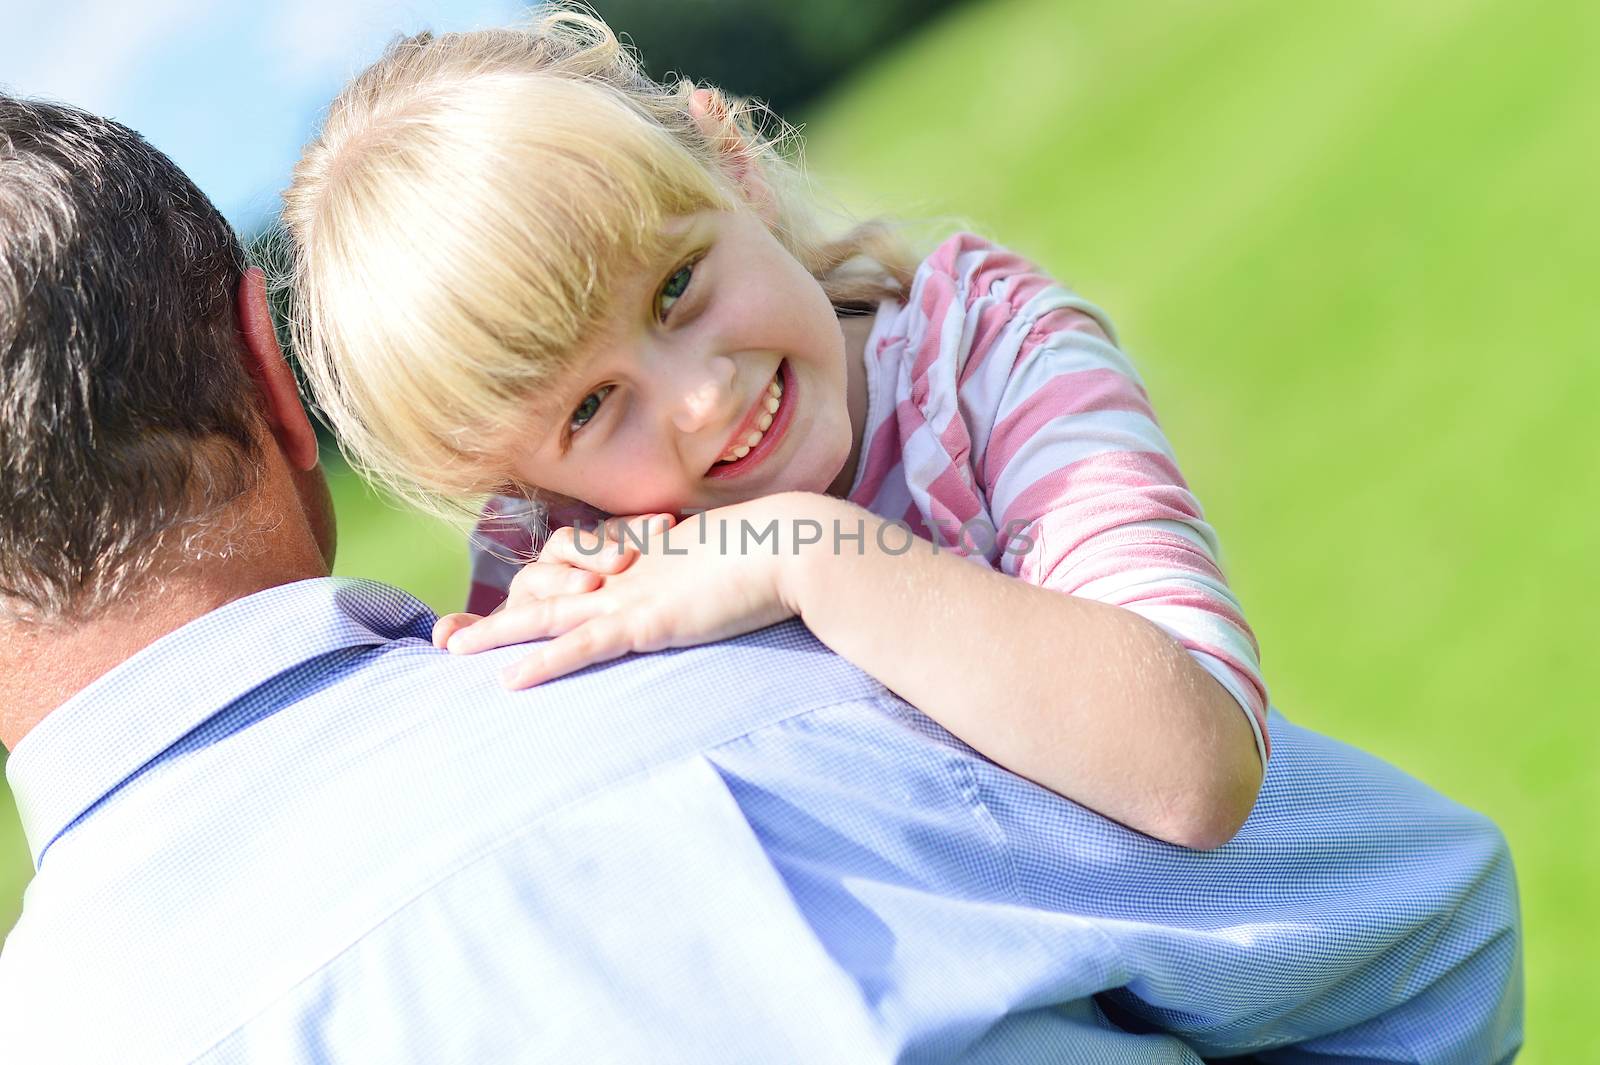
(94, 741)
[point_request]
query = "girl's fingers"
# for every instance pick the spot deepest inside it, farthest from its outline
(545, 578)
(599, 640)
(587, 549)
(450, 624)
(610, 547)
(533, 620)
(639, 528)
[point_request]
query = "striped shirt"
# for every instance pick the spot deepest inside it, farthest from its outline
(1003, 423)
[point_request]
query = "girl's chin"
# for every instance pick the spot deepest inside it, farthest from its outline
(813, 476)
(835, 471)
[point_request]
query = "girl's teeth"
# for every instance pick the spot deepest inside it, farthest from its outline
(773, 402)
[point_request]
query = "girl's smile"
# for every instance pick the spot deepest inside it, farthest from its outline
(762, 431)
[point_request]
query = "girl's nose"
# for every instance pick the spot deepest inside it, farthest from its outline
(705, 397)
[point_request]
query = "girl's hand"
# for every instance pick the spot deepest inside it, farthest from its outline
(683, 589)
(572, 561)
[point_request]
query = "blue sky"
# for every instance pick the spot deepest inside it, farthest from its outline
(229, 90)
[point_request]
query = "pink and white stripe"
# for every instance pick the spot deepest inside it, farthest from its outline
(997, 396)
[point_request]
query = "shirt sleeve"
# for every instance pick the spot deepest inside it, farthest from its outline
(1066, 459)
(503, 541)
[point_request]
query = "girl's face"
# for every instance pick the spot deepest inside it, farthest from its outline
(681, 376)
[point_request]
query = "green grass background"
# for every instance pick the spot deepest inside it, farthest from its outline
(1351, 247)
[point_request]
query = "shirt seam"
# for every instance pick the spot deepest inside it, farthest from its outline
(969, 786)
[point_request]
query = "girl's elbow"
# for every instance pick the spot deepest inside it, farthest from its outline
(1230, 773)
(1209, 833)
(1216, 813)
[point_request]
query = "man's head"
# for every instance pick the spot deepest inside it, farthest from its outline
(137, 394)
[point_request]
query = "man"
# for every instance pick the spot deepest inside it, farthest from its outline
(271, 823)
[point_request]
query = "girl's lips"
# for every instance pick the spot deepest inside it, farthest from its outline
(773, 436)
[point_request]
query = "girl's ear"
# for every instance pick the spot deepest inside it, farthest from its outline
(737, 156)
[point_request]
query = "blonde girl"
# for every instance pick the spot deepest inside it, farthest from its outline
(525, 270)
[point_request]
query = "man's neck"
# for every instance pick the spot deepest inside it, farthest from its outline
(45, 665)
(280, 533)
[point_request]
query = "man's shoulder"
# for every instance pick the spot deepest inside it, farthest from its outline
(330, 819)
(372, 695)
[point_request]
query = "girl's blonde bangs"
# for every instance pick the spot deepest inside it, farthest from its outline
(458, 228)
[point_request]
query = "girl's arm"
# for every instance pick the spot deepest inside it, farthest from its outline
(1087, 699)
(1019, 420)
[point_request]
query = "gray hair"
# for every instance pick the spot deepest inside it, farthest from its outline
(127, 419)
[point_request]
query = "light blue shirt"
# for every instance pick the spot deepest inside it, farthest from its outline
(293, 831)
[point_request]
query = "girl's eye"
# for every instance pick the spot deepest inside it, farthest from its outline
(588, 408)
(675, 287)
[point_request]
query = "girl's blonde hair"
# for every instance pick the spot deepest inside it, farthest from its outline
(456, 226)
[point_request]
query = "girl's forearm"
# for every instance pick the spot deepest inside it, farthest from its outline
(1087, 699)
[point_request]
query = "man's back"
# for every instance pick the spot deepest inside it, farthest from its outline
(294, 831)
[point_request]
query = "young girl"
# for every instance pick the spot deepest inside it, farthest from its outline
(525, 269)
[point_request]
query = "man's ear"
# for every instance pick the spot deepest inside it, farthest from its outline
(263, 358)
(737, 157)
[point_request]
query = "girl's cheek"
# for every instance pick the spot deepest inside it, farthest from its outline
(642, 482)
